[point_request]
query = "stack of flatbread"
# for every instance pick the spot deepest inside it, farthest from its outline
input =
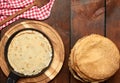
(29, 52)
(94, 58)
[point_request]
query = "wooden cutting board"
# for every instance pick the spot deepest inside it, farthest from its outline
(56, 41)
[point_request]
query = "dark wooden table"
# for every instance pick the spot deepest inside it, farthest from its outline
(76, 18)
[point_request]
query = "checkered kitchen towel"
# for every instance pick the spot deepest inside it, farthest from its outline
(9, 7)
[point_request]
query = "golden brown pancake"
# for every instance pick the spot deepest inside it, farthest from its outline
(95, 57)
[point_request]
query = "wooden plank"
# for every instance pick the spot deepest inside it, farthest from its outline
(87, 16)
(2, 80)
(60, 20)
(1, 73)
(0, 35)
(113, 30)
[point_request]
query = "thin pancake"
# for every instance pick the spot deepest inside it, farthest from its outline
(29, 52)
(97, 57)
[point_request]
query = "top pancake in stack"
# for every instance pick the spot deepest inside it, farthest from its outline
(94, 58)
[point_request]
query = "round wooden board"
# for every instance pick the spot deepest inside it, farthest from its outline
(56, 41)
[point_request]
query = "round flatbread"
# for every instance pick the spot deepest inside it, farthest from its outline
(94, 58)
(29, 52)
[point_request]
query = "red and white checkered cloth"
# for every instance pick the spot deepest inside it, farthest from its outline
(9, 7)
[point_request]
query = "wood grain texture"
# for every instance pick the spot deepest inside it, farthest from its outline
(87, 16)
(56, 41)
(0, 35)
(113, 30)
(60, 21)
